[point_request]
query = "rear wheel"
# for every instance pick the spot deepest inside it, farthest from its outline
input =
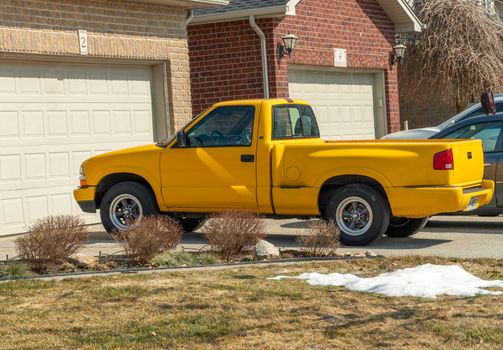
(361, 213)
(405, 227)
(125, 204)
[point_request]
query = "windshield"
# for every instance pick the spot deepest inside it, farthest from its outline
(167, 140)
(473, 109)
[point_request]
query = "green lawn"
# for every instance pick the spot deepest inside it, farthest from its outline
(239, 308)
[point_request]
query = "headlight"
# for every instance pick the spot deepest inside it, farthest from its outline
(82, 177)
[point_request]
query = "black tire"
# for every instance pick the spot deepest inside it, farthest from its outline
(369, 201)
(404, 227)
(137, 193)
(191, 224)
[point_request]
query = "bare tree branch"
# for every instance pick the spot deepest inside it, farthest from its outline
(459, 54)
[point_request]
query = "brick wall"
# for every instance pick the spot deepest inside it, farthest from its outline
(225, 63)
(420, 115)
(225, 57)
(359, 26)
(116, 30)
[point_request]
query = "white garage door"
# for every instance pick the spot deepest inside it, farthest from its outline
(343, 102)
(54, 116)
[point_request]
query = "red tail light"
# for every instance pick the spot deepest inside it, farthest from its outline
(443, 160)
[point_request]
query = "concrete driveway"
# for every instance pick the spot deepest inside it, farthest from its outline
(448, 236)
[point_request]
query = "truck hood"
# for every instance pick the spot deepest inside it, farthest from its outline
(141, 161)
(417, 134)
(145, 149)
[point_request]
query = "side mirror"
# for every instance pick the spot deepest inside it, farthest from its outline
(181, 139)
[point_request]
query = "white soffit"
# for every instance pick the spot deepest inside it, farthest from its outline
(402, 15)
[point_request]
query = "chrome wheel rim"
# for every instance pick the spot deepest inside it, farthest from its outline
(354, 216)
(125, 210)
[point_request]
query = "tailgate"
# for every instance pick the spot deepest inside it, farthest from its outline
(468, 162)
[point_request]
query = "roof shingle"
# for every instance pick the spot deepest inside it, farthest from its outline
(239, 5)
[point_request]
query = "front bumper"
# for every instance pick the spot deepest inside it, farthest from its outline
(419, 202)
(85, 198)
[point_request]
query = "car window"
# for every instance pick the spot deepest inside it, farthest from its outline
(487, 132)
(475, 112)
(294, 121)
(224, 126)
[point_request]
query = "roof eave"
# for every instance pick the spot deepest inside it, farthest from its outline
(399, 11)
(402, 15)
(272, 11)
(188, 4)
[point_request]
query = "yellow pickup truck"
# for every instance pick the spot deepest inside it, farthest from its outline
(266, 156)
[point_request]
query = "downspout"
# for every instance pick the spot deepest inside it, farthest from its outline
(263, 54)
(189, 19)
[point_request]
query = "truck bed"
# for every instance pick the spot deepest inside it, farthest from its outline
(393, 163)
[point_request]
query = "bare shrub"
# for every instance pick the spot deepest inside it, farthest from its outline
(231, 232)
(51, 240)
(458, 54)
(322, 238)
(149, 237)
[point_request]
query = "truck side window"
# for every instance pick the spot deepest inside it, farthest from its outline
(294, 121)
(224, 126)
(487, 132)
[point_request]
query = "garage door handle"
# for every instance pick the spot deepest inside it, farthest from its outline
(487, 164)
(247, 158)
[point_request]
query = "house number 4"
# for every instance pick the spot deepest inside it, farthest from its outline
(83, 41)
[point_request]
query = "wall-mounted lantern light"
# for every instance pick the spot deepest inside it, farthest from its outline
(288, 45)
(396, 56)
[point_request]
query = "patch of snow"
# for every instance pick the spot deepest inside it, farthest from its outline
(425, 281)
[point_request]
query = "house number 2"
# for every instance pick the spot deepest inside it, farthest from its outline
(83, 41)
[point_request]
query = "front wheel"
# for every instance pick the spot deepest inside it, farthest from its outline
(361, 213)
(125, 204)
(405, 227)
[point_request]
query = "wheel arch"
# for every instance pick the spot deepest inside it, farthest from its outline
(335, 182)
(113, 179)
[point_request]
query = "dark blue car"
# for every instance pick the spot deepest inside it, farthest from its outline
(488, 129)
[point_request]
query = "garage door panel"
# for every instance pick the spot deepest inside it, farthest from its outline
(56, 124)
(10, 125)
(34, 166)
(79, 121)
(53, 117)
(18, 210)
(53, 83)
(10, 168)
(343, 101)
(7, 81)
(101, 122)
(33, 123)
(29, 82)
(28, 167)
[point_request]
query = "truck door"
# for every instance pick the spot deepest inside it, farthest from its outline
(217, 167)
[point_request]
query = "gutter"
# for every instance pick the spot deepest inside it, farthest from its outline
(263, 54)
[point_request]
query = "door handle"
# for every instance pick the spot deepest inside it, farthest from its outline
(247, 158)
(487, 164)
